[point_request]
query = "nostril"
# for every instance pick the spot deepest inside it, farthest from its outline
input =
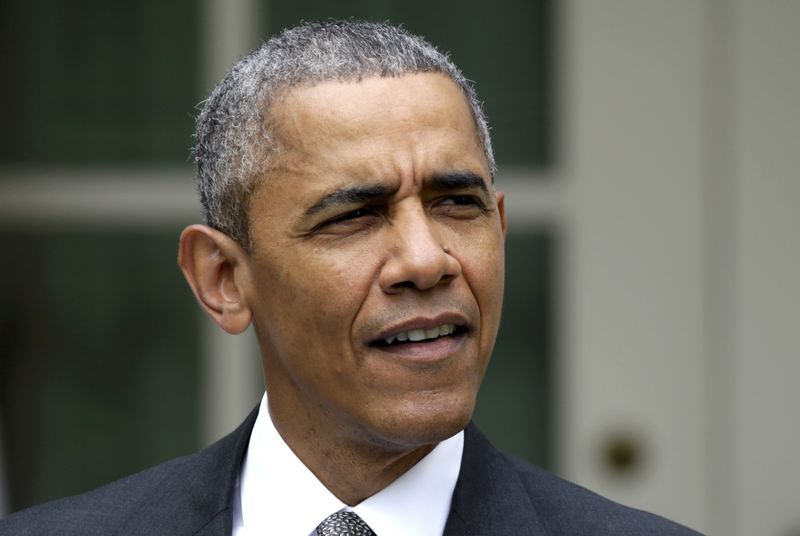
(446, 278)
(409, 284)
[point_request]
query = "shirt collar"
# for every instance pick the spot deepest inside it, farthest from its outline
(280, 495)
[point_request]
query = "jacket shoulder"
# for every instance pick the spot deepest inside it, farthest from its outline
(180, 496)
(567, 508)
(498, 493)
(101, 511)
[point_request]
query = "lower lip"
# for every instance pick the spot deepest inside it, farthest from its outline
(426, 351)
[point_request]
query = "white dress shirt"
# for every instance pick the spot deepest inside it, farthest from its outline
(277, 494)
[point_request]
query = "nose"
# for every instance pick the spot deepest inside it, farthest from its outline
(417, 257)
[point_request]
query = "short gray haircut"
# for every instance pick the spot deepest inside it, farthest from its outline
(234, 139)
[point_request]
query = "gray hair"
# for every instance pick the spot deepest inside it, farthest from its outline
(234, 140)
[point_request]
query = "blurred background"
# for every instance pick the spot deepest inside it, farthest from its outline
(649, 152)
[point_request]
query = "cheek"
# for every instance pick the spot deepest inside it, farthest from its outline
(482, 249)
(484, 269)
(331, 287)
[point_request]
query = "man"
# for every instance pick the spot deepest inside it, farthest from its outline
(346, 176)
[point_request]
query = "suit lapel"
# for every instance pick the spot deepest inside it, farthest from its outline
(489, 498)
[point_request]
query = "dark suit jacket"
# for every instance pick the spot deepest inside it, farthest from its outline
(495, 495)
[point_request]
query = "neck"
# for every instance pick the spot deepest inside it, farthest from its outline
(350, 466)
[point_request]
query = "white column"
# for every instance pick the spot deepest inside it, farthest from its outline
(632, 363)
(721, 244)
(767, 326)
(232, 369)
(231, 29)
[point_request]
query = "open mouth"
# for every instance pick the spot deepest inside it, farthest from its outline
(421, 335)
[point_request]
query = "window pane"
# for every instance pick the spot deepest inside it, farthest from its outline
(98, 81)
(99, 359)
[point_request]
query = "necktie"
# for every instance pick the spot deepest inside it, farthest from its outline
(344, 523)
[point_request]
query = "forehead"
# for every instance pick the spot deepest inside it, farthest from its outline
(421, 112)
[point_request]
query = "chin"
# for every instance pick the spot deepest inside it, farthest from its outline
(423, 424)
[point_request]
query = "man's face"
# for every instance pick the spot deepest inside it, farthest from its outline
(376, 276)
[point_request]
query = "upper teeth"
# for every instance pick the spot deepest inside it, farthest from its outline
(421, 334)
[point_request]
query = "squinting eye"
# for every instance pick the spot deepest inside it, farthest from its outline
(352, 215)
(462, 200)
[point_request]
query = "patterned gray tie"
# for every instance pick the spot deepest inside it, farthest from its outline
(344, 523)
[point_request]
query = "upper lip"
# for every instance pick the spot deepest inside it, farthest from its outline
(422, 322)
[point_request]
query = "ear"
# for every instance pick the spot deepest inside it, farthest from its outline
(214, 265)
(500, 197)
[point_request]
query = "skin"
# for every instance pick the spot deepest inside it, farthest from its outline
(377, 217)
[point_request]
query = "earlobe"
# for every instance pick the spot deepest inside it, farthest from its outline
(212, 263)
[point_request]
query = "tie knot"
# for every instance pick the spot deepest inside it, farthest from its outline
(344, 523)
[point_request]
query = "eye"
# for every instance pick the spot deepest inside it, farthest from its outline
(355, 217)
(462, 200)
(460, 206)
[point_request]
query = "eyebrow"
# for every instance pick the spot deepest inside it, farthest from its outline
(351, 195)
(355, 195)
(458, 180)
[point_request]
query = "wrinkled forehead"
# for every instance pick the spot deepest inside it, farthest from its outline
(331, 112)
